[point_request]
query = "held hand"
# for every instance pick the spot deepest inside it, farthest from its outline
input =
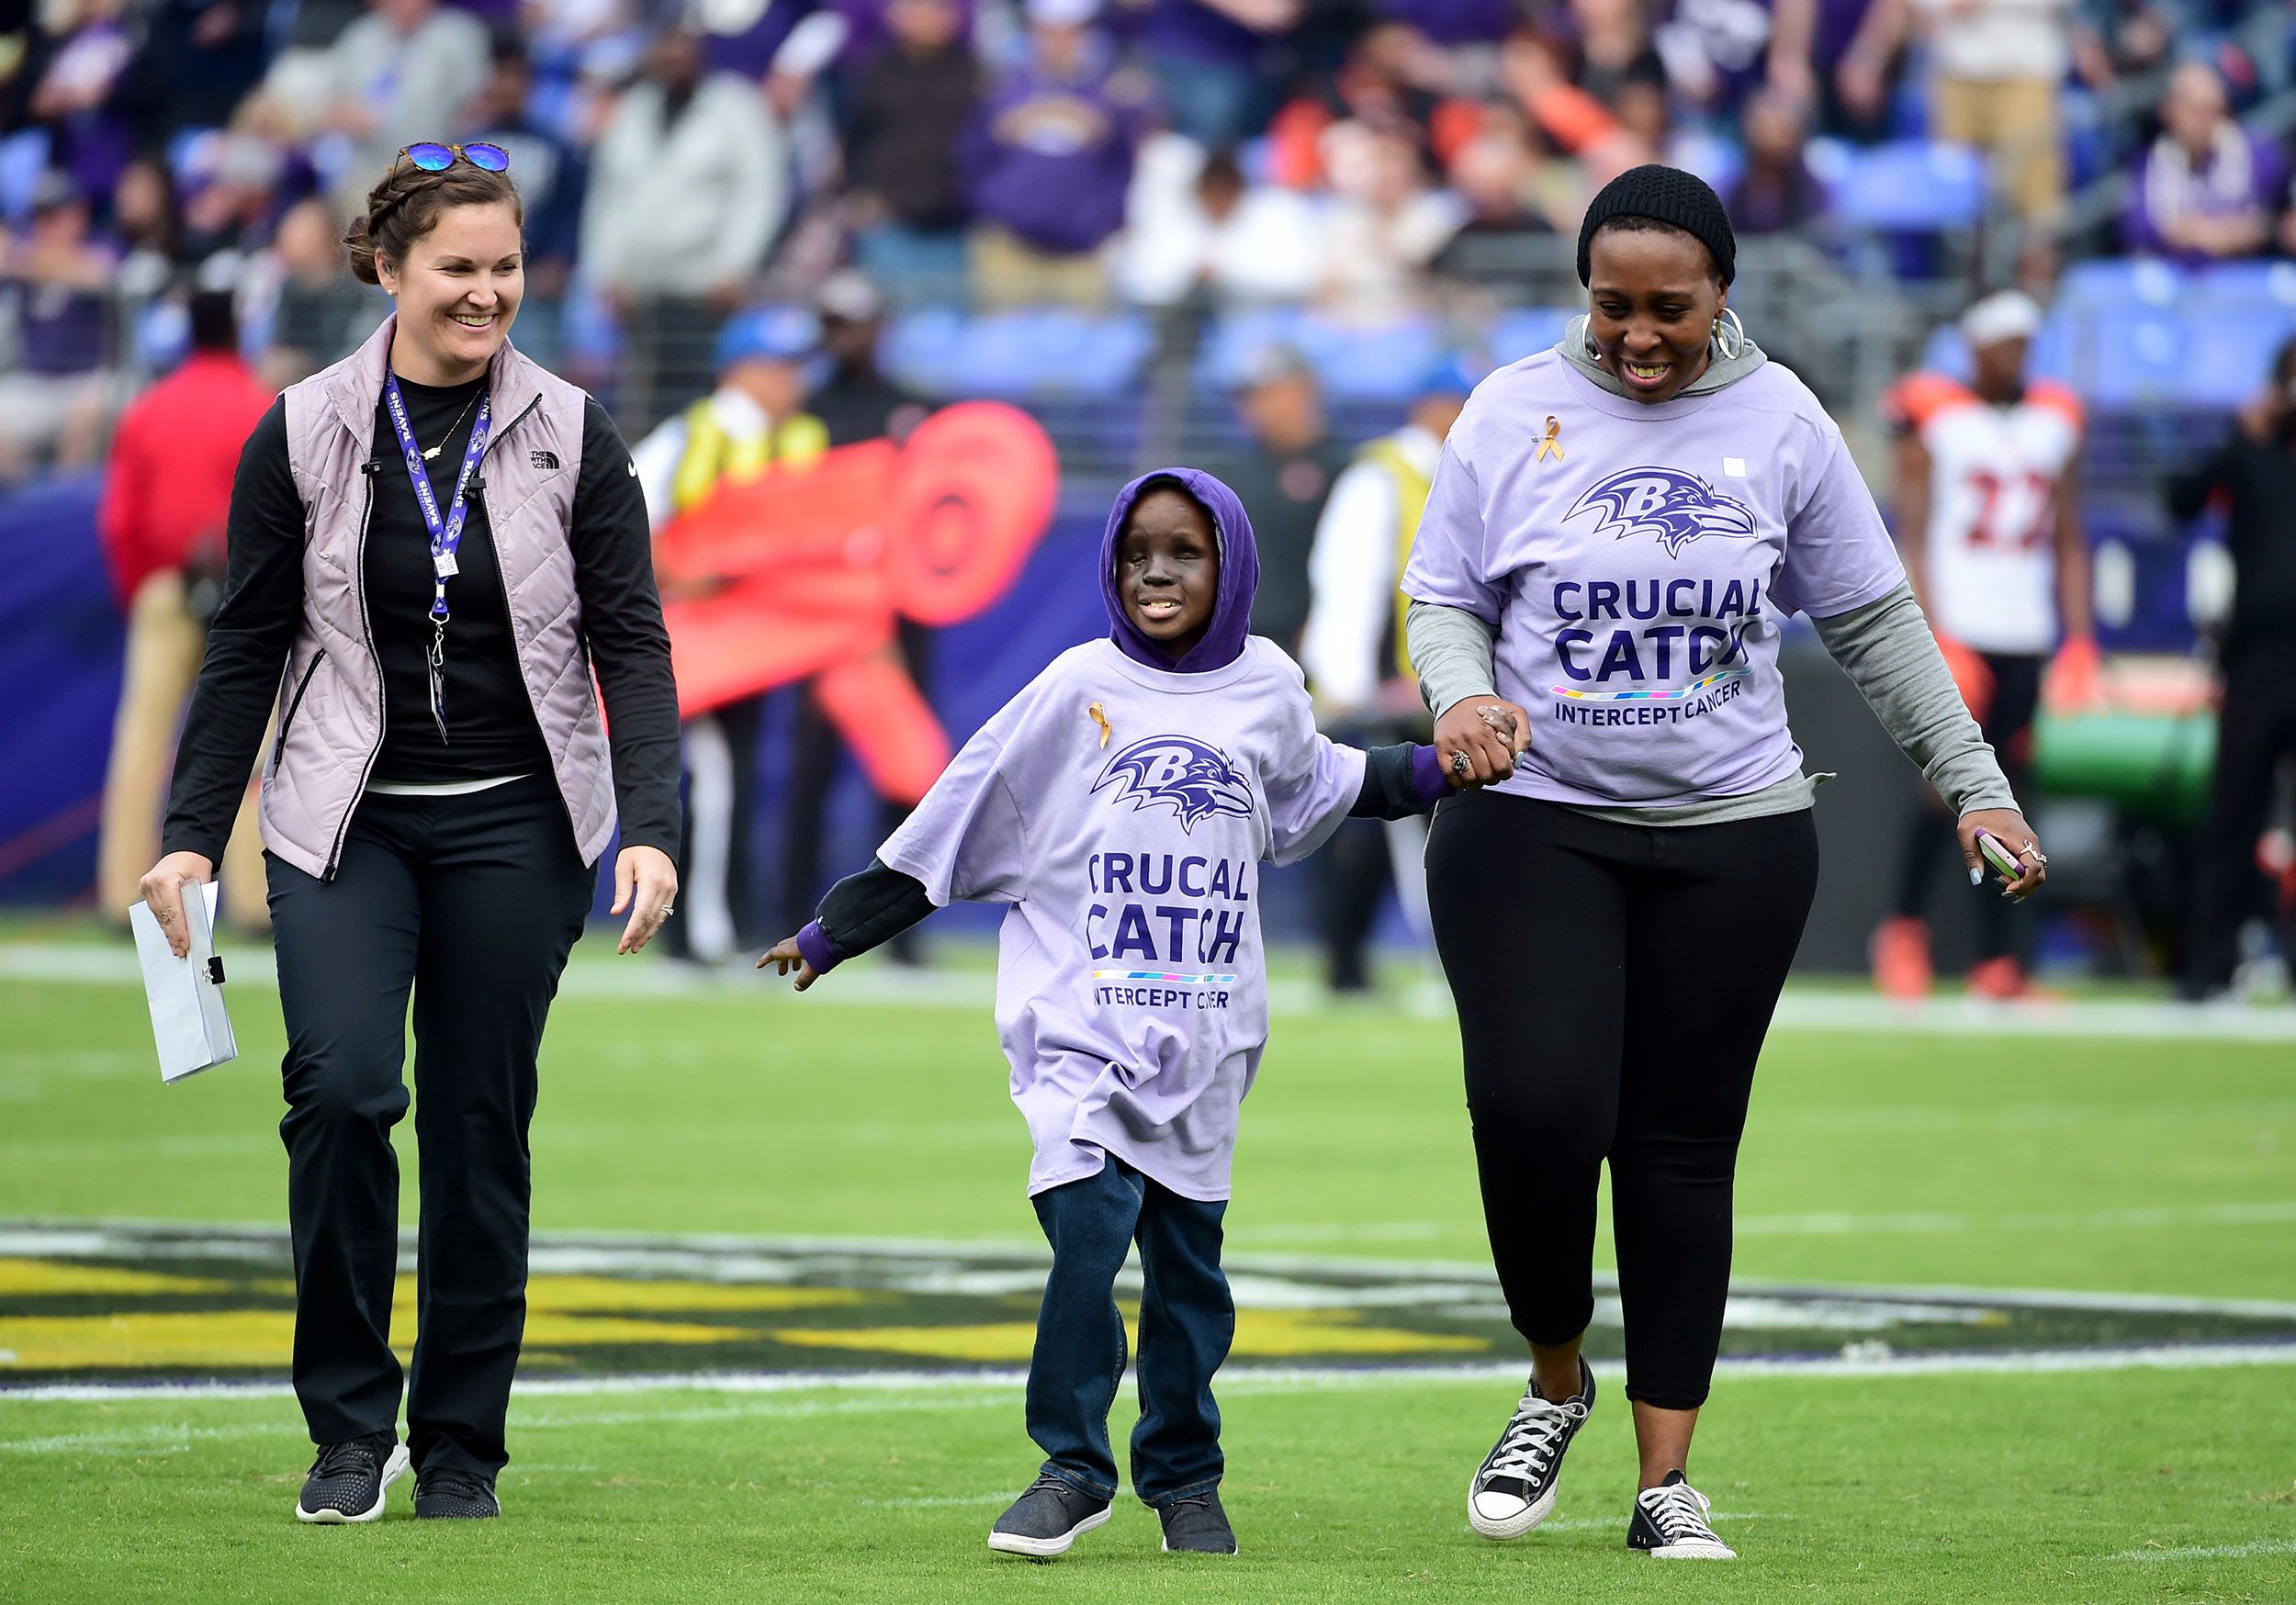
(644, 882)
(163, 888)
(2009, 827)
(1488, 733)
(786, 953)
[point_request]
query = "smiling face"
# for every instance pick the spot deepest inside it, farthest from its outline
(1167, 568)
(1652, 300)
(458, 290)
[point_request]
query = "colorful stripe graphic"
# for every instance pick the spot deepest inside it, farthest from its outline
(1171, 975)
(1691, 690)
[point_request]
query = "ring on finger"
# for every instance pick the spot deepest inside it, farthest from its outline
(1460, 764)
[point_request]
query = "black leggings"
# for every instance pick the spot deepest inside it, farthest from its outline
(1614, 982)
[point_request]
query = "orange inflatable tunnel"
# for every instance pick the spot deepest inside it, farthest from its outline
(804, 571)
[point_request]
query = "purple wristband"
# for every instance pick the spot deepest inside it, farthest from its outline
(1426, 776)
(814, 943)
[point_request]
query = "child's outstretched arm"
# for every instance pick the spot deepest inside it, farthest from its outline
(1409, 777)
(860, 912)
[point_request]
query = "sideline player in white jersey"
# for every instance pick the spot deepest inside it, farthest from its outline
(1990, 527)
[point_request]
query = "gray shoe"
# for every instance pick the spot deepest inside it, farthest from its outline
(1196, 1525)
(1046, 1519)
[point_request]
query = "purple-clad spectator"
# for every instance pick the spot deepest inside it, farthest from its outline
(1839, 56)
(1454, 22)
(2207, 189)
(1777, 192)
(1047, 162)
(72, 95)
(54, 276)
(1211, 62)
(911, 101)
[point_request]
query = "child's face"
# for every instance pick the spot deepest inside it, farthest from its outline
(1167, 568)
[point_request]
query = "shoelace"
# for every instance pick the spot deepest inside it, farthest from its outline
(1532, 1436)
(1191, 1502)
(1680, 1512)
(456, 1483)
(357, 1455)
(1045, 1479)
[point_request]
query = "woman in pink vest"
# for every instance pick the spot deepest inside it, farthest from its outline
(433, 546)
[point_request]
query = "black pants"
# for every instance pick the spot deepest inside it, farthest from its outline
(2256, 732)
(2008, 726)
(717, 857)
(471, 903)
(1615, 984)
(1187, 1321)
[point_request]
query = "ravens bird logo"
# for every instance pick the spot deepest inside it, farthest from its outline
(1676, 508)
(1195, 781)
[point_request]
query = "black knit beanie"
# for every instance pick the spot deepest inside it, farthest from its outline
(1670, 195)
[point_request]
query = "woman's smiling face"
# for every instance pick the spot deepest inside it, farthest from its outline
(458, 291)
(1652, 299)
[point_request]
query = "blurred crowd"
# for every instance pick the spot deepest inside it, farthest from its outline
(681, 164)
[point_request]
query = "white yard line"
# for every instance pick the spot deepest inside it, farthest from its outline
(2253, 1550)
(884, 986)
(907, 1390)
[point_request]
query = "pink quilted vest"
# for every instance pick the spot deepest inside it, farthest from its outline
(331, 702)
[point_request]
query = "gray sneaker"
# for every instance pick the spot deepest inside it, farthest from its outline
(1196, 1525)
(1044, 1521)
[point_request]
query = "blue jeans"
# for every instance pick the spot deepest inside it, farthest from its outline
(1186, 1320)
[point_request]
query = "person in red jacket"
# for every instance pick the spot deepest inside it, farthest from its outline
(166, 493)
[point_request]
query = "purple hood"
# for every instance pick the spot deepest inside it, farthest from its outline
(1239, 577)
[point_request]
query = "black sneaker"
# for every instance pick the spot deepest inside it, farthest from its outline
(1044, 1521)
(1515, 1488)
(445, 1495)
(347, 1481)
(1196, 1524)
(1670, 1523)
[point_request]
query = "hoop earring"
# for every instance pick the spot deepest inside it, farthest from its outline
(1594, 352)
(1729, 336)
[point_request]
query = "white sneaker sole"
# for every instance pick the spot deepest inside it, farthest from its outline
(1692, 1550)
(1499, 1531)
(393, 1469)
(1045, 1548)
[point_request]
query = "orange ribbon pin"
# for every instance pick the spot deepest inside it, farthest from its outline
(1101, 717)
(1553, 442)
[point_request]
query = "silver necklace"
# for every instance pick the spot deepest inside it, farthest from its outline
(433, 452)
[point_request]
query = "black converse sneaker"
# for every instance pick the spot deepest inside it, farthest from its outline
(347, 1481)
(1045, 1519)
(449, 1494)
(1196, 1525)
(1669, 1522)
(1516, 1488)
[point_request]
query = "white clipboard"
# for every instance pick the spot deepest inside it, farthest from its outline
(185, 995)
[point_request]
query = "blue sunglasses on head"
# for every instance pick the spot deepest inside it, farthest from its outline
(433, 157)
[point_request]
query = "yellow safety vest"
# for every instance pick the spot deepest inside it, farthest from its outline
(713, 452)
(1411, 505)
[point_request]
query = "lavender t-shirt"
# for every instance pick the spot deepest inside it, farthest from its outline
(1638, 563)
(1124, 812)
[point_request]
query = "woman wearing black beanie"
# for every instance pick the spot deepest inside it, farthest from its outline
(1616, 535)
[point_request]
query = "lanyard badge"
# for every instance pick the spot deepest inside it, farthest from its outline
(445, 531)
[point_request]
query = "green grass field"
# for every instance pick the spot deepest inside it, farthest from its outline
(2089, 1163)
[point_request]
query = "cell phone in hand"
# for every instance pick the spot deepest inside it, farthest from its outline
(1996, 853)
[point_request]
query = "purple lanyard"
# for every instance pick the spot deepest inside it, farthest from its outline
(446, 533)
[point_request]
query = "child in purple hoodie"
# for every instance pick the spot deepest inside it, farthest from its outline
(1121, 805)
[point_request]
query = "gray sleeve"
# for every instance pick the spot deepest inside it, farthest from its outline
(1887, 651)
(1451, 653)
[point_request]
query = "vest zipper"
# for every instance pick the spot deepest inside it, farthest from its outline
(279, 747)
(510, 611)
(368, 471)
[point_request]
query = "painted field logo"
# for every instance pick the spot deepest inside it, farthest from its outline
(139, 1304)
(1193, 779)
(1675, 507)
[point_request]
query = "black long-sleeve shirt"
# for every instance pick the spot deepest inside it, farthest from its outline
(492, 728)
(2260, 532)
